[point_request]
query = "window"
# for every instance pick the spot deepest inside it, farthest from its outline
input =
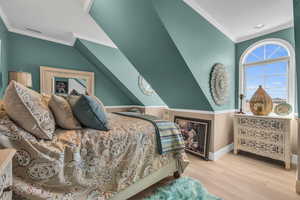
(269, 63)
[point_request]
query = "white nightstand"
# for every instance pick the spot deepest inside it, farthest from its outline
(6, 156)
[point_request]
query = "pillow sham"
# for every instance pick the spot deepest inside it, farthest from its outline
(89, 112)
(62, 112)
(26, 108)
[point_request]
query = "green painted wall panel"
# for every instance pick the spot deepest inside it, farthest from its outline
(118, 65)
(200, 44)
(137, 30)
(3, 58)
(286, 34)
(28, 54)
(84, 51)
(297, 43)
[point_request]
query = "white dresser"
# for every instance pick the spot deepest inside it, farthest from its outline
(266, 136)
(6, 156)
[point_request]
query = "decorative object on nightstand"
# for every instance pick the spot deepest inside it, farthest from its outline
(21, 77)
(241, 104)
(6, 156)
(263, 135)
(219, 84)
(261, 103)
(283, 109)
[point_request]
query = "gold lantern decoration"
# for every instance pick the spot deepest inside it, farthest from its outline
(261, 103)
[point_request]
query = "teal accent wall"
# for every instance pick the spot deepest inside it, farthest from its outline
(135, 27)
(3, 58)
(116, 64)
(297, 43)
(286, 34)
(200, 44)
(28, 54)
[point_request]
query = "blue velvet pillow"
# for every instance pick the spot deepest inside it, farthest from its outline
(89, 112)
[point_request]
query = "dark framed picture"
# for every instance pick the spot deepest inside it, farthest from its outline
(61, 86)
(196, 134)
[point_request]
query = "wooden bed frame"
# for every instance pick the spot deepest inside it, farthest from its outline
(166, 171)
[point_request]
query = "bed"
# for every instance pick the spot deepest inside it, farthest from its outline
(88, 164)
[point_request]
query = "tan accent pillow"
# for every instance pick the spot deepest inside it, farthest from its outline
(62, 112)
(26, 108)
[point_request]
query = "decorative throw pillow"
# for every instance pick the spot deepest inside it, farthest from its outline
(62, 112)
(89, 112)
(26, 108)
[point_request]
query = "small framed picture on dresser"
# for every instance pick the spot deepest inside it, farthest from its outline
(196, 134)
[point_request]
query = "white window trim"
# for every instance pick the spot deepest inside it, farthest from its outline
(291, 68)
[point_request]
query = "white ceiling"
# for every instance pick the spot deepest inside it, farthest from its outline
(65, 20)
(58, 20)
(237, 18)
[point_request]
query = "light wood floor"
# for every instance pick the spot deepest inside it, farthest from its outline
(244, 177)
(240, 177)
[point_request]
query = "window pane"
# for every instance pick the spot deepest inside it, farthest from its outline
(259, 52)
(249, 94)
(278, 94)
(277, 68)
(266, 52)
(253, 83)
(276, 82)
(272, 77)
(251, 59)
(276, 51)
(252, 70)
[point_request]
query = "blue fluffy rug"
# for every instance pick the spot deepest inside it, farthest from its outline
(182, 189)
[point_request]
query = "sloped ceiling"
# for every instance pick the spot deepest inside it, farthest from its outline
(136, 29)
(115, 65)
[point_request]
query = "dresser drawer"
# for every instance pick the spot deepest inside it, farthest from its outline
(261, 148)
(261, 123)
(261, 135)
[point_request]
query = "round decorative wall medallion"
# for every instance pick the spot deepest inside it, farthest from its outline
(219, 84)
(145, 86)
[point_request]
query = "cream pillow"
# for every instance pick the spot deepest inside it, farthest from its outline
(26, 108)
(63, 113)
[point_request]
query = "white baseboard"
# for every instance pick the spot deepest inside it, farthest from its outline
(221, 152)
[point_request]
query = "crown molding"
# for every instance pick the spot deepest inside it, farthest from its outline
(194, 5)
(42, 37)
(280, 27)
